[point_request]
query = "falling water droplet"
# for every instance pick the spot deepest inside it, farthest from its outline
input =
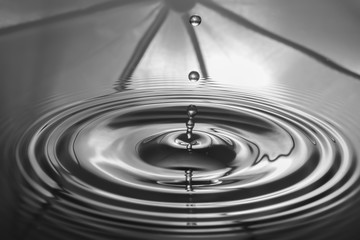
(195, 20)
(194, 76)
(188, 180)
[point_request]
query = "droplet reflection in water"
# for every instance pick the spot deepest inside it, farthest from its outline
(194, 76)
(188, 180)
(195, 20)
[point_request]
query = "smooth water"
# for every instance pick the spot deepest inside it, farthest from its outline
(152, 155)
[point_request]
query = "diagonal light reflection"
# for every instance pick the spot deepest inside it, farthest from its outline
(141, 48)
(256, 28)
(68, 15)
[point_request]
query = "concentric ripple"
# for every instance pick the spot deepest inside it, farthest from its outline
(115, 166)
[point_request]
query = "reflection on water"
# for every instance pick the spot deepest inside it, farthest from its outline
(114, 166)
(262, 146)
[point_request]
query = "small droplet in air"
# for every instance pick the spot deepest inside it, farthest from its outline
(194, 76)
(195, 20)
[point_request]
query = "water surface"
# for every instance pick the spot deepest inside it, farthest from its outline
(99, 142)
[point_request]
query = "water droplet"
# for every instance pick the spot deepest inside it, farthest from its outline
(191, 111)
(194, 76)
(195, 20)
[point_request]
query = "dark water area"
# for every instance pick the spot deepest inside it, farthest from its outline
(199, 120)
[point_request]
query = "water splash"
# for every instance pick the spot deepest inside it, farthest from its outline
(255, 166)
(191, 112)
